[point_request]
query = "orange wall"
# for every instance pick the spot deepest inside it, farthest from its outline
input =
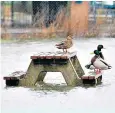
(79, 17)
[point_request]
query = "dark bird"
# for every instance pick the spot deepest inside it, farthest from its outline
(98, 63)
(99, 47)
(65, 44)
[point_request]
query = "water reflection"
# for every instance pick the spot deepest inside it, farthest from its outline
(55, 95)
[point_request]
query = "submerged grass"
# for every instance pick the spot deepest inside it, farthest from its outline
(52, 87)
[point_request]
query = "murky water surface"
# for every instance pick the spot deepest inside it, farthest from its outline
(57, 97)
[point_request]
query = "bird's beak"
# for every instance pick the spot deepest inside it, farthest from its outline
(104, 48)
(92, 53)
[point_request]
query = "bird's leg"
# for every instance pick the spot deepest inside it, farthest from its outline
(99, 71)
(95, 70)
(66, 50)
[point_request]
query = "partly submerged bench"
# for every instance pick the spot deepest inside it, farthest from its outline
(92, 78)
(43, 62)
(13, 78)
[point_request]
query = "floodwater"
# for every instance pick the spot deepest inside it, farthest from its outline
(57, 98)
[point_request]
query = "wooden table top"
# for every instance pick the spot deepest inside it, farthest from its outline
(53, 55)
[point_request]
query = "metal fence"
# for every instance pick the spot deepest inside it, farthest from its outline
(16, 13)
(39, 14)
(35, 13)
(108, 15)
(29, 13)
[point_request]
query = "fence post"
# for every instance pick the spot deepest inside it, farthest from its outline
(12, 13)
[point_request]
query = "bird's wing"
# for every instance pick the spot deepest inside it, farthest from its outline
(62, 43)
(101, 64)
(104, 62)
